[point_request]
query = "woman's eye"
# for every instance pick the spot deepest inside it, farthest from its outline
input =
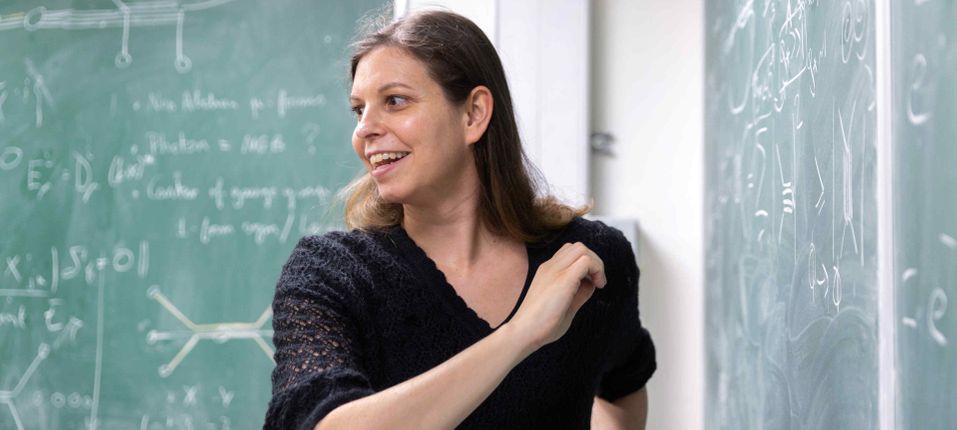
(396, 100)
(393, 101)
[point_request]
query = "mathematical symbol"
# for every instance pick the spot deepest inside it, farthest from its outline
(12, 267)
(219, 332)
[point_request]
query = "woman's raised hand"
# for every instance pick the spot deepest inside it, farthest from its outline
(560, 287)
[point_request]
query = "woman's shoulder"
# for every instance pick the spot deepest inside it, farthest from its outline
(596, 235)
(344, 243)
(338, 252)
(610, 244)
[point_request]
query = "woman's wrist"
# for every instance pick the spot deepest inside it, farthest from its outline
(524, 339)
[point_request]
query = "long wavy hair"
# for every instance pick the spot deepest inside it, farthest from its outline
(514, 201)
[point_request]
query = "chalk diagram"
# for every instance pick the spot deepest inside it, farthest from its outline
(8, 396)
(151, 13)
(219, 332)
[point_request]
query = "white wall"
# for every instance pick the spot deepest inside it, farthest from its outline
(544, 45)
(647, 90)
(482, 12)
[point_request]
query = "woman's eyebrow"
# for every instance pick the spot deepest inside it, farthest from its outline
(391, 85)
(385, 87)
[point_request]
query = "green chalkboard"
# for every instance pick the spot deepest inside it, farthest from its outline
(791, 261)
(158, 162)
(924, 64)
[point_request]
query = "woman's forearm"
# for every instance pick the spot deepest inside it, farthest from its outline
(627, 413)
(606, 416)
(442, 397)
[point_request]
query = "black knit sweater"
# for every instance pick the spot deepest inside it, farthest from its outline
(358, 312)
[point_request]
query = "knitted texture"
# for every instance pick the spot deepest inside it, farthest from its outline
(358, 312)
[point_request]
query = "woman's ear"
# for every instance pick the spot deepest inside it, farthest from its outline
(478, 113)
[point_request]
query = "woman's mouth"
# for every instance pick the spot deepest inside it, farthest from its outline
(385, 163)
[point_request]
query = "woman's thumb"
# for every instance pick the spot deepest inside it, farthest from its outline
(585, 291)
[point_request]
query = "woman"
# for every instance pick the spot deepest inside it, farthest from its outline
(458, 298)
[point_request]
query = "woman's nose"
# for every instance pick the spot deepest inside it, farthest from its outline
(369, 124)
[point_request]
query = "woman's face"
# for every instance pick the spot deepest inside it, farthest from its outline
(400, 109)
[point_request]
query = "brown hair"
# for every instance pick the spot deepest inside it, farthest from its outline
(459, 57)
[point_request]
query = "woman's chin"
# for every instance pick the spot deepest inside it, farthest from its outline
(389, 197)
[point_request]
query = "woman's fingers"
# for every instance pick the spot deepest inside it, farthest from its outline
(569, 252)
(591, 267)
(565, 255)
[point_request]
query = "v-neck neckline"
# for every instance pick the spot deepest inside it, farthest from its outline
(436, 278)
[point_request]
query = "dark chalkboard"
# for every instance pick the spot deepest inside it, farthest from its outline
(158, 162)
(791, 263)
(924, 65)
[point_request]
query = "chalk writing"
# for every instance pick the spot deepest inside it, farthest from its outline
(155, 143)
(217, 331)
(791, 262)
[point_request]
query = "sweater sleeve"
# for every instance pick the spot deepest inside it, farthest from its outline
(315, 331)
(632, 359)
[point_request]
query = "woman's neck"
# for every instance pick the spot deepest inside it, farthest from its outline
(452, 233)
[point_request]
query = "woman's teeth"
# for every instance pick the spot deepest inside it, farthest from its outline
(386, 157)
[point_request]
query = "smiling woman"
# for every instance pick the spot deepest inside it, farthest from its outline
(401, 110)
(413, 67)
(434, 310)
